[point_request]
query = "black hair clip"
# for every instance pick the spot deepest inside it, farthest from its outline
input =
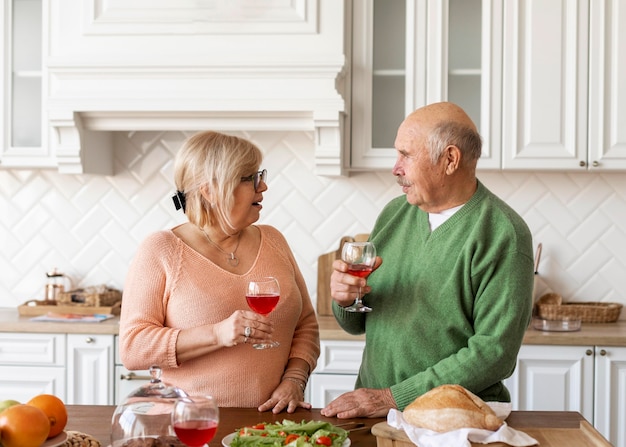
(179, 200)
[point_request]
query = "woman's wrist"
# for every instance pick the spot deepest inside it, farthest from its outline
(298, 376)
(301, 384)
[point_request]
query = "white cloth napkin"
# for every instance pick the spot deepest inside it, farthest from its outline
(462, 437)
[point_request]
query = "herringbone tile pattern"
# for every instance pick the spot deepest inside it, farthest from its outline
(89, 226)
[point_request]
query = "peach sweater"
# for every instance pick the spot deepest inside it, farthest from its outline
(170, 286)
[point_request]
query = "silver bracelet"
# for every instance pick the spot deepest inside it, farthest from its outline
(302, 386)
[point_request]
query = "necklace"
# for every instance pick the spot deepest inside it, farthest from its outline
(231, 258)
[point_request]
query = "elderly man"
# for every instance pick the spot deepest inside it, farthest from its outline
(452, 290)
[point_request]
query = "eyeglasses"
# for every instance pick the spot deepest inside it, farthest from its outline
(256, 178)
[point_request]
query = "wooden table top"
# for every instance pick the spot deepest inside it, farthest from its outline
(95, 420)
(549, 427)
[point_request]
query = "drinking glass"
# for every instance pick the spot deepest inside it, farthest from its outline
(262, 297)
(360, 257)
(195, 420)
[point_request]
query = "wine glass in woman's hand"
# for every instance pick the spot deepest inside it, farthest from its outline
(195, 420)
(360, 257)
(262, 297)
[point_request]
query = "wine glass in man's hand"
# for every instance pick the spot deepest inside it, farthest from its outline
(360, 257)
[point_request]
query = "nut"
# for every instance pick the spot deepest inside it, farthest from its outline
(78, 439)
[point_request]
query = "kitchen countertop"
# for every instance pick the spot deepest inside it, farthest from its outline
(593, 334)
(550, 428)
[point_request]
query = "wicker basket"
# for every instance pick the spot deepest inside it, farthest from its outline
(551, 307)
(90, 297)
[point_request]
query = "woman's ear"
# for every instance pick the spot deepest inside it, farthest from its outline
(206, 194)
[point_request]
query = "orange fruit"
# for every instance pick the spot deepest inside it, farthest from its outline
(23, 426)
(54, 409)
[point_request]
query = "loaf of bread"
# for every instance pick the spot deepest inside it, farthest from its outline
(450, 407)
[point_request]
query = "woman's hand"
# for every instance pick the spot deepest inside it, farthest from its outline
(289, 394)
(344, 287)
(232, 331)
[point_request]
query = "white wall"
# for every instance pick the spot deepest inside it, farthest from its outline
(89, 226)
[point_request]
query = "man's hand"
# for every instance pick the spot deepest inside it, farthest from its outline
(344, 287)
(363, 402)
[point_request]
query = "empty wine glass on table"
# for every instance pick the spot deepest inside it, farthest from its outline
(195, 420)
(360, 257)
(262, 297)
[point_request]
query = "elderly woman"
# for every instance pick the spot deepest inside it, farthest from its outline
(184, 303)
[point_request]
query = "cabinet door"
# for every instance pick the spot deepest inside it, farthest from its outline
(545, 78)
(412, 53)
(607, 89)
(553, 378)
(23, 133)
(324, 388)
(128, 381)
(21, 383)
(90, 369)
(610, 394)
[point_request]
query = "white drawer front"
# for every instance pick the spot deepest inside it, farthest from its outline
(32, 349)
(325, 388)
(342, 357)
(21, 383)
(128, 381)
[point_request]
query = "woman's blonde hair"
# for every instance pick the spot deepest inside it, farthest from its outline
(215, 162)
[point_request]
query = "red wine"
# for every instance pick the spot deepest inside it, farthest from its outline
(360, 270)
(262, 304)
(195, 433)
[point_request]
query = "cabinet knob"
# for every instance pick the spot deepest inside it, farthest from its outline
(89, 340)
(595, 164)
(582, 164)
(589, 352)
(602, 352)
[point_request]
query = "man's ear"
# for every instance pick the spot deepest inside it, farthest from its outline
(453, 157)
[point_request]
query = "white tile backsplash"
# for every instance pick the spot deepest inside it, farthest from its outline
(89, 226)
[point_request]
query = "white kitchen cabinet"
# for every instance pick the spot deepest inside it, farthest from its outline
(336, 371)
(23, 129)
(125, 380)
(563, 95)
(553, 378)
(32, 364)
(90, 366)
(588, 379)
(610, 393)
(542, 80)
(406, 54)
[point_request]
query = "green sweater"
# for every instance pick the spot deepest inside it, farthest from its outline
(449, 307)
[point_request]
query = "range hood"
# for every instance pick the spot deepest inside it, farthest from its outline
(135, 65)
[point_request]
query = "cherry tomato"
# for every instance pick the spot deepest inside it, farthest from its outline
(259, 427)
(324, 440)
(290, 438)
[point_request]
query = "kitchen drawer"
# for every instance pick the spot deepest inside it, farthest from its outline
(32, 349)
(340, 357)
(324, 388)
(21, 383)
(128, 381)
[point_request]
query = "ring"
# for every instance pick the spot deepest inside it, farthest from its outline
(247, 331)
